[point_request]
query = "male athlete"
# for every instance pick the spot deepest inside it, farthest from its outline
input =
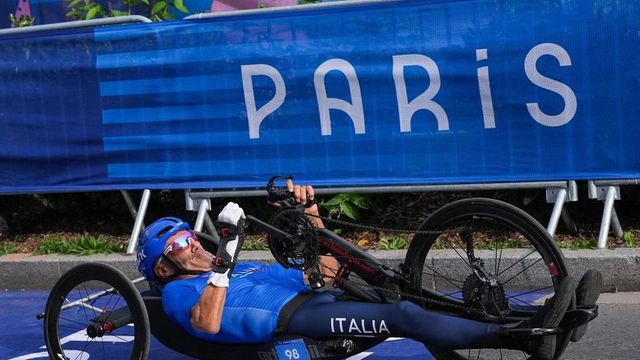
(215, 299)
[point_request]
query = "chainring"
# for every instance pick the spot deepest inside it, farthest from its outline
(300, 249)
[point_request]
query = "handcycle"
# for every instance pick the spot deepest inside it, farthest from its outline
(459, 262)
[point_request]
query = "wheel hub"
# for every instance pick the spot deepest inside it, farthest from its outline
(487, 295)
(95, 330)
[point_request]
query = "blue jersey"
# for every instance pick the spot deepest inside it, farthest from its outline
(256, 294)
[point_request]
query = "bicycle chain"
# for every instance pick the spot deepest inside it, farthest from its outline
(383, 229)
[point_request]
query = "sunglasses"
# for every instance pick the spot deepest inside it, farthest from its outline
(180, 244)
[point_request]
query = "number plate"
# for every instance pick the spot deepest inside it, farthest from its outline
(292, 350)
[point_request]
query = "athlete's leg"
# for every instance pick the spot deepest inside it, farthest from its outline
(323, 316)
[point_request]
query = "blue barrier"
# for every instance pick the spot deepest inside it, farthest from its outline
(384, 93)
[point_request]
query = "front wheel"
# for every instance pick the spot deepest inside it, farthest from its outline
(486, 260)
(94, 311)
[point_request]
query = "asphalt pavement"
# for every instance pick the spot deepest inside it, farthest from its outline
(25, 281)
(613, 335)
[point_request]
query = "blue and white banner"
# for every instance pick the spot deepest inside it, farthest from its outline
(383, 93)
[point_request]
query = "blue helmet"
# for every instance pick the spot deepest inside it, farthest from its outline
(151, 243)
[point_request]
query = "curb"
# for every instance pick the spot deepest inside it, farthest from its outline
(620, 267)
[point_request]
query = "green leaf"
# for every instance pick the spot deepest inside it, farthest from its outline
(333, 201)
(92, 13)
(146, 2)
(73, 3)
(158, 7)
(179, 4)
(349, 210)
(117, 13)
(359, 200)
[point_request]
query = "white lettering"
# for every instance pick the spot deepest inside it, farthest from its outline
(383, 328)
(359, 326)
(254, 115)
(423, 101)
(569, 97)
(355, 110)
(364, 328)
(485, 91)
(354, 326)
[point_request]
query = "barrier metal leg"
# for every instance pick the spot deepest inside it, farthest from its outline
(137, 225)
(606, 217)
(208, 223)
(568, 221)
(615, 223)
(130, 204)
(557, 211)
(202, 213)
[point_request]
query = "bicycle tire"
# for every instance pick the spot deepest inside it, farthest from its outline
(94, 273)
(495, 213)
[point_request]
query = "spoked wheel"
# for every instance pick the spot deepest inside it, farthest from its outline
(95, 311)
(488, 261)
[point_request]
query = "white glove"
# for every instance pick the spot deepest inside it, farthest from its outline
(228, 251)
(231, 214)
(219, 279)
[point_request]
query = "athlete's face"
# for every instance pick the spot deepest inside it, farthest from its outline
(189, 255)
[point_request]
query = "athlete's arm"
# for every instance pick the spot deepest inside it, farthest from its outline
(206, 314)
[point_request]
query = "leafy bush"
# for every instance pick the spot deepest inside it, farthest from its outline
(348, 204)
(8, 249)
(254, 245)
(393, 243)
(503, 244)
(157, 10)
(82, 245)
(579, 244)
(22, 21)
(629, 239)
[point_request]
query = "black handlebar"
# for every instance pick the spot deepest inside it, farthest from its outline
(282, 195)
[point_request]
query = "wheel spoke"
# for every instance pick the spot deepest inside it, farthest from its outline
(460, 256)
(104, 351)
(86, 344)
(451, 293)
(521, 301)
(447, 279)
(530, 291)
(523, 270)
(514, 264)
(83, 325)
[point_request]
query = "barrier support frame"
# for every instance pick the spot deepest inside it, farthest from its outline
(558, 193)
(608, 191)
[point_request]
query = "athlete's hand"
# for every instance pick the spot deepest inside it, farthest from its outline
(231, 214)
(303, 194)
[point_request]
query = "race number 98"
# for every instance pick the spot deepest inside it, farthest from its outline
(292, 350)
